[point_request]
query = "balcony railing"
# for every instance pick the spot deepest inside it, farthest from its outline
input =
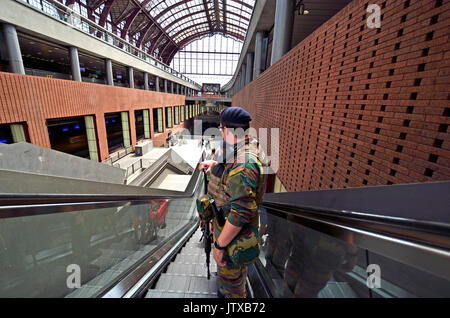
(59, 11)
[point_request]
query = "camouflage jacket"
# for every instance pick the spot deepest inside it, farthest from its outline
(243, 182)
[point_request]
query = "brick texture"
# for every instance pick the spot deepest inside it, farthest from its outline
(33, 100)
(359, 106)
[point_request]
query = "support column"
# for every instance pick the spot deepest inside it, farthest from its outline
(240, 79)
(146, 86)
(152, 123)
(91, 138)
(130, 75)
(132, 125)
(165, 86)
(282, 34)
(102, 138)
(13, 49)
(125, 129)
(265, 52)
(163, 112)
(75, 64)
(172, 89)
(109, 72)
(157, 83)
(249, 70)
(178, 89)
(258, 54)
(146, 124)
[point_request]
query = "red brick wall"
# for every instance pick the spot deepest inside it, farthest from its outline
(33, 99)
(359, 106)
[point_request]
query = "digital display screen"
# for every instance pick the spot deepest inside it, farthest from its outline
(211, 88)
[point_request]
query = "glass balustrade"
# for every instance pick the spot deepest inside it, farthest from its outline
(59, 11)
(82, 253)
(303, 262)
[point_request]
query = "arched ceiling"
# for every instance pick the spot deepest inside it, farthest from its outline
(163, 27)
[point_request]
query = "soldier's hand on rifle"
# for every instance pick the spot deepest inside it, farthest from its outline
(218, 256)
(208, 164)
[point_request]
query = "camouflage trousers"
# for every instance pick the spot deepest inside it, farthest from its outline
(232, 280)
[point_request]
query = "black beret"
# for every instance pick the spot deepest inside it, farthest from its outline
(235, 115)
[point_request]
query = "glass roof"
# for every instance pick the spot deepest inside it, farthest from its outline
(182, 19)
(211, 59)
(170, 25)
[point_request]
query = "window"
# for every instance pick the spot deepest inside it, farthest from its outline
(176, 115)
(160, 120)
(209, 60)
(169, 117)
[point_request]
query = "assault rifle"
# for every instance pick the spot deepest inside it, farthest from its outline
(218, 214)
(207, 243)
(207, 235)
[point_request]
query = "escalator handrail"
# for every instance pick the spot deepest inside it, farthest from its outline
(29, 204)
(135, 283)
(358, 218)
(423, 245)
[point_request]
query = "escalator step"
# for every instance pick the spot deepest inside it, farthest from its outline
(195, 238)
(203, 284)
(190, 269)
(187, 283)
(175, 283)
(179, 268)
(192, 251)
(192, 258)
(195, 245)
(154, 293)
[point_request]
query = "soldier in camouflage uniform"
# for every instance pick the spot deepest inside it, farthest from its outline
(237, 184)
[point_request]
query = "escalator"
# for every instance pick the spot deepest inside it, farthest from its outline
(186, 276)
(63, 237)
(368, 242)
(372, 242)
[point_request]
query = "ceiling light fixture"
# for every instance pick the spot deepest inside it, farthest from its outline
(300, 8)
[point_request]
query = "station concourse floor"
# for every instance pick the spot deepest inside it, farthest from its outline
(189, 150)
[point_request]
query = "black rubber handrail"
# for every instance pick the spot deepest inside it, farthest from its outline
(423, 245)
(358, 218)
(29, 204)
